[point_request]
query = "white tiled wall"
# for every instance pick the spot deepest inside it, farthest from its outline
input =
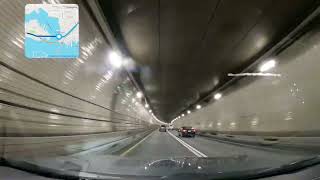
(49, 97)
(270, 104)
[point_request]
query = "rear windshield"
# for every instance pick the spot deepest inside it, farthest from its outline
(187, 127)
(163, 126)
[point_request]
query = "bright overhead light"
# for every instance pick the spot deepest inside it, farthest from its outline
(188, 111)
(115, 59)
(198, 106)
(267, 65)
(217, 96)
(182, 115)
(146, 105)
(150, 111)
(139, 94)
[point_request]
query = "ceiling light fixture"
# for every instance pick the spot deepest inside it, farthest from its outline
(115, 59)
(188, 111)
(139, 94)
(267, 65)
(217, 96)
(198, 106)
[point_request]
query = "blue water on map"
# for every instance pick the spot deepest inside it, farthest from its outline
(48, 47)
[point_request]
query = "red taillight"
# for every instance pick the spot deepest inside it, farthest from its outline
(193, 129)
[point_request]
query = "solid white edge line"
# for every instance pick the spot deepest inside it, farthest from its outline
(193, 148)
(130, 149)
(189, 147)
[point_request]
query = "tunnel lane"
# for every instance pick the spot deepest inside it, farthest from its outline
(159, 145)
(213, 148)
(164, 145)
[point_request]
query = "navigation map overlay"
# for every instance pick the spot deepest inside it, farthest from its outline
(51, 31)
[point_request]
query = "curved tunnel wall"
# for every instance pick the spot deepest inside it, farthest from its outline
(284, 106)
(62, 106)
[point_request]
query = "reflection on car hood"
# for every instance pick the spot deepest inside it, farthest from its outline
(145, 167)
(111, 167)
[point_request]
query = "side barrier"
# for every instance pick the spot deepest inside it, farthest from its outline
(299, 144)
(37, 147)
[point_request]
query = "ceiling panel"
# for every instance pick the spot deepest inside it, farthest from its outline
(185, 48)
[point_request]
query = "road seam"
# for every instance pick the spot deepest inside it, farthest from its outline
(130, 149)
(189, 147)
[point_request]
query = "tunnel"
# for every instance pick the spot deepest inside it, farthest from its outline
(159, 89)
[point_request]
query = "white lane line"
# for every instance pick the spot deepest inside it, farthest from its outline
(130, 149)
(190, 148)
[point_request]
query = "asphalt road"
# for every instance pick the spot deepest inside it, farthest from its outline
(163, 145)
(159, 145)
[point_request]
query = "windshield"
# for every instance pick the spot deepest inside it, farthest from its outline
(90, 86)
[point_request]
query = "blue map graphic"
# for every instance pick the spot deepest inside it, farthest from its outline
(49, 45)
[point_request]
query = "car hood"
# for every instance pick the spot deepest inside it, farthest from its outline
(169, 167)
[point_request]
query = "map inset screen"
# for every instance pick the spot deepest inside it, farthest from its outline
(51, 31)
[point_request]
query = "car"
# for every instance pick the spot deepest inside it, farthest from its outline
(170, 127)
(187, 131)
(163, 128)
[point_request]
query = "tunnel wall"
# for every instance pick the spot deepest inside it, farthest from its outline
(280, 106)
(61, 106)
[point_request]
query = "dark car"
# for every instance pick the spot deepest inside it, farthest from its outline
(162, 128)
(187, 131)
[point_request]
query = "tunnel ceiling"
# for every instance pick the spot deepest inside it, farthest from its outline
(185, 48)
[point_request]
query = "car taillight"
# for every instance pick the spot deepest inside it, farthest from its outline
(193, 129)
(184, 130)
